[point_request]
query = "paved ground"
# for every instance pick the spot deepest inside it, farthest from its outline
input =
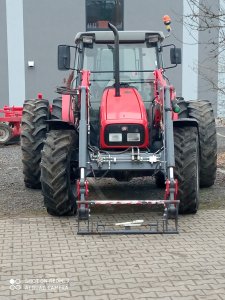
(41, 257)
(47, 260)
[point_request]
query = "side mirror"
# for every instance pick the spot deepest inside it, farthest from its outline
(175, 56)
(63, 57)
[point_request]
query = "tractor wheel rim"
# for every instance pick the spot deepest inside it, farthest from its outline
(4, 135)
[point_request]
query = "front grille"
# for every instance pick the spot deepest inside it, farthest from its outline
(124, 129)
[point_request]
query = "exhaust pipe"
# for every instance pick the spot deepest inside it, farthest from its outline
(116, 59)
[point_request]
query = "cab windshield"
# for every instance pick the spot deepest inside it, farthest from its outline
(137, 63)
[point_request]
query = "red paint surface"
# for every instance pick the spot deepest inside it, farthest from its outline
(126, 109)
(40, 96)
(13, 116)
(67, 109)
(159, 86)
(67, 100)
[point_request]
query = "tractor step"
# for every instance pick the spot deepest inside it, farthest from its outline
(166, 224)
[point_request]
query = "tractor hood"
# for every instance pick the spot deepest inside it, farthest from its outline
(128, 106)
(124, 114)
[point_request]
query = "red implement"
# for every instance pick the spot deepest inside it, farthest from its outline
(10, 119)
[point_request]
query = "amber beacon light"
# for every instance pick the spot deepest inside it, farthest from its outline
(167, 22)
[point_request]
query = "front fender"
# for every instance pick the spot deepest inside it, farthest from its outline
(184, 122)
(59, 124)
(188, 122)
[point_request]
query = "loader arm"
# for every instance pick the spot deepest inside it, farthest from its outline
(164, 98)
(84, 137)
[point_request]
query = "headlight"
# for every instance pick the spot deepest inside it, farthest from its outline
(115, 137)
(133, 137)
(124, 135)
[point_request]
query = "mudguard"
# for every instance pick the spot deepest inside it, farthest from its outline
(185, 122)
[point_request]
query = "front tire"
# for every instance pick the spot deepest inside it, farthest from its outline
(58, 178)
(183, 113)
(186, 146)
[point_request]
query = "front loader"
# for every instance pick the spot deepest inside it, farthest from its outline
(119, 117)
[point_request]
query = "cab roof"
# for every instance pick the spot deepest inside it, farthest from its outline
(124, 36)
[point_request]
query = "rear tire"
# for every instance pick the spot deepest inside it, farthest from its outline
(33, 133)
(186, 146)
(202, 111)
(183, 108)
(57, 108)
(57, 177)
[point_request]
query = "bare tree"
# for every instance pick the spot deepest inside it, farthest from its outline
(207, 17)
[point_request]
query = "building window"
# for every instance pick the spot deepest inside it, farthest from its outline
(100, 12)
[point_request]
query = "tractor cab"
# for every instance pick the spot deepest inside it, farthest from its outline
(138, 58)
(121, 64)
(121, 85)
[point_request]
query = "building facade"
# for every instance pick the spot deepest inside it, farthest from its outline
(31, 30)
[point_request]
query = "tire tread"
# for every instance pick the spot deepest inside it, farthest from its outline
(33, 133)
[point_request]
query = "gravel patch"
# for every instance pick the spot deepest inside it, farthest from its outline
(16, 200)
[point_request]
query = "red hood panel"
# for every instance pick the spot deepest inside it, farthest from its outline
(126, 109)
(127, 106)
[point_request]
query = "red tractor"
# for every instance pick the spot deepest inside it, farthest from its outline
(118, 117)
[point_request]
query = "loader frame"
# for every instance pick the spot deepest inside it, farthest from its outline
(135, 159)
